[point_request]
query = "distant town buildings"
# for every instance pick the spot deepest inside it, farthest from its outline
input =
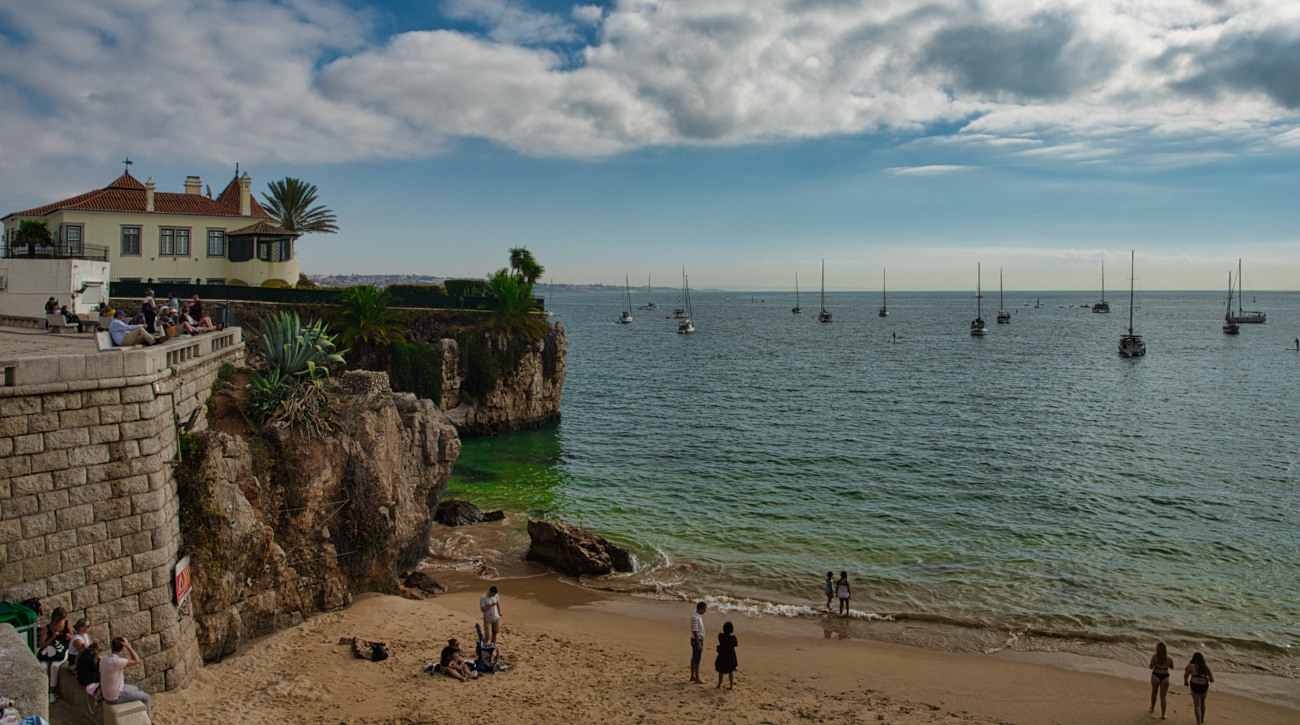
(163, 237)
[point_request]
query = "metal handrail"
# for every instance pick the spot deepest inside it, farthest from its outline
(56, 250)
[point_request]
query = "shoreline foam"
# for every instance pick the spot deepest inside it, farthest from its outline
(498, 550)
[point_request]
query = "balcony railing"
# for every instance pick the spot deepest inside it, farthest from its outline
(57, 250)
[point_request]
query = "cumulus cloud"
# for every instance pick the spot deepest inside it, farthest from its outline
(311, 80)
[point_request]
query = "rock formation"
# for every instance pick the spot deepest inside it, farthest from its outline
(23, 678)
(574, 551)
(455, 512)
(285, 524)
(525, 396)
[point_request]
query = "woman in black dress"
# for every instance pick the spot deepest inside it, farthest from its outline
(726, 662)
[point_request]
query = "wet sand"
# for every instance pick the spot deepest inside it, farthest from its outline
(581, 656)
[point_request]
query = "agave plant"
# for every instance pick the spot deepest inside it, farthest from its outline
(297, 349)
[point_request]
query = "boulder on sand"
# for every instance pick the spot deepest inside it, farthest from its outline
(574, 551)
(455, 512)
(425, 583)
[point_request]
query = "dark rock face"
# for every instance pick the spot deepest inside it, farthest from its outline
(526, 396)
(574, 551)
(425, 583)
(455, 512)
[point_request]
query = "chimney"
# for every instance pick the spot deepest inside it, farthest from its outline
(148, 195)
(192, 185)
(245, 195)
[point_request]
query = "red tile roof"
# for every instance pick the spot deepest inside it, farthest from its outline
(263, 227)
(230, 197)
(128, 194)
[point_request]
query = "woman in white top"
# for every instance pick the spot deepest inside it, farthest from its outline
(80, 639)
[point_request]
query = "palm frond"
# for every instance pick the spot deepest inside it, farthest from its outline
(290, 204)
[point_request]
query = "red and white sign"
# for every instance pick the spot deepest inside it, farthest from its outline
(182, 581)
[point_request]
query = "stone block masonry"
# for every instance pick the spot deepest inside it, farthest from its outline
(89, 517)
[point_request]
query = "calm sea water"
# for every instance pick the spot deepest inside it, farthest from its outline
(1028, 479)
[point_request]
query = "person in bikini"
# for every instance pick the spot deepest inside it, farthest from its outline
(1198, 677)
(1159, 665)
(845, 593)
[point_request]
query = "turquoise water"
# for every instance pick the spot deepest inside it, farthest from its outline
(1028, 479)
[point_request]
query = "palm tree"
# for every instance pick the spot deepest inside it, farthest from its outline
(511, 300)
(364, 319)
(525, 266)
(290, 203)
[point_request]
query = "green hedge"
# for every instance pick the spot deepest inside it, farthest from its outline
(417, 369)
(466, 287)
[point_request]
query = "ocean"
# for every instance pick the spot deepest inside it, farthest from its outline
(1030, 488)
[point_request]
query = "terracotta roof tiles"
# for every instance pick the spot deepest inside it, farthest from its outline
(262, 227)
(128, 194)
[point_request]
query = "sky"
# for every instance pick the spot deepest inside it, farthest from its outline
(745, 139)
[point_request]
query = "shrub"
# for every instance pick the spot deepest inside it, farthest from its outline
(511, 300)
(418, 289)
(417, 368)
(305, 282)
(276, 284)
(236, 283)
(466, 287)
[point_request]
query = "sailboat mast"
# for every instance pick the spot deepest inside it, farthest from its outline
(979, 297)
(1103, 280)
(1131, 268)
(1240, 292)
(1000, 305)
(884, 290)
(823, 285)
(796, 289)
(649, 291)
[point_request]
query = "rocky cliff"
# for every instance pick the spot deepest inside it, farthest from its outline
(523, 392)
(283, 524)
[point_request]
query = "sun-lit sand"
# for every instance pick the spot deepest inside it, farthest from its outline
(578, 656)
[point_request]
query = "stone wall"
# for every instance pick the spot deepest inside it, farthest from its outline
(88, 504)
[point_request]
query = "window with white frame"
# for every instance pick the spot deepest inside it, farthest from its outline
(216, 242)
(131, 241)
(173, 242)
(273, 251)
(72, 238)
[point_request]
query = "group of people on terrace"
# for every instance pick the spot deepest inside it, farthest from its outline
(101, 673)
(159, 321)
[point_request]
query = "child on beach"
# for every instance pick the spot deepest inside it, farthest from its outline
(452, 664)
(726, 663)
(845, 593)
(830, 589)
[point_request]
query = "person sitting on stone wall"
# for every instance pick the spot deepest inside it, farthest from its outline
(125, 335)
(196, 309)
(71, 318)
(88, 665)
(194, 326)
(112, 681)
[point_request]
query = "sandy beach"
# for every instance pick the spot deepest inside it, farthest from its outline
(579, 656)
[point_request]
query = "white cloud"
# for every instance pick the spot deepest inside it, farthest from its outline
(931, 170)
(307, 80)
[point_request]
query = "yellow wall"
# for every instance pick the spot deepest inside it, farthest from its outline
(105, 229)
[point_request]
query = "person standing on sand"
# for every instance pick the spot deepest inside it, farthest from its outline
(1198, 670)
(490, 605)
(1159, 665)
(697, 641)
(726, 663)
(845, 593)
(830, 589)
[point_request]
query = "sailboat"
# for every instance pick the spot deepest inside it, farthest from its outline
(977, 326)
(884, 301)
(626, 317)
(1242, 316)
(1038, 302)
(824, 315)
(1004, 317)
(1102, 306)
(649, 296)
(1131, 345)
(685, 326)
(796, 309)
(1229, 324)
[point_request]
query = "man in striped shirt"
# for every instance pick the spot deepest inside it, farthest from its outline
(697, 641)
